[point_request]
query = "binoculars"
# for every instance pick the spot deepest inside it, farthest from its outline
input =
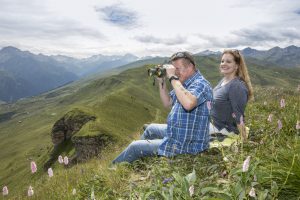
(159, 71)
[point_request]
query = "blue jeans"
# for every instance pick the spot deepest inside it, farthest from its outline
(146, 146)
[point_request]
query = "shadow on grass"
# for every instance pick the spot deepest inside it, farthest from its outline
(63, 148)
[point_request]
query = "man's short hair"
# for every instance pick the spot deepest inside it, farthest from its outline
(184, 54)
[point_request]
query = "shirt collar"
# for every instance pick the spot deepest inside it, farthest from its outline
(192, 78)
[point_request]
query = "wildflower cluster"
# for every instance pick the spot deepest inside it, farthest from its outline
(34, 169)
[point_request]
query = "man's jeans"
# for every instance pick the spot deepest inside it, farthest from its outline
(146, 146)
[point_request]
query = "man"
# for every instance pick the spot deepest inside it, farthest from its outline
(187, 128)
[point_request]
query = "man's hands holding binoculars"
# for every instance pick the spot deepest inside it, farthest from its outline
(166, 70)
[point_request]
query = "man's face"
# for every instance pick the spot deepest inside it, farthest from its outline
(180, 69)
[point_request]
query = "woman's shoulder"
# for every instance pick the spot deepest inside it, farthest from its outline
(238, 83)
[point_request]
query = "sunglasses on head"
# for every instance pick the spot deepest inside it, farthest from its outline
(181, 55)
(235, 51)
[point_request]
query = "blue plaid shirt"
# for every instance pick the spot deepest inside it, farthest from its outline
(188, 131)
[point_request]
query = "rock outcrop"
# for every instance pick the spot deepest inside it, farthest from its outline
(89, 146)
(66, 133)
(68, 125)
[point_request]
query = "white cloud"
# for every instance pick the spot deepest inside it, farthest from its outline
(87, 27)
(157, 40)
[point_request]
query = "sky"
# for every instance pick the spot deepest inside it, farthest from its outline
(82, 28)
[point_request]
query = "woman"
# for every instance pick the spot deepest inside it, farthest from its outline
(231, 95)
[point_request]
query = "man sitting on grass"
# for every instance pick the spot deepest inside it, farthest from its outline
(187, 128)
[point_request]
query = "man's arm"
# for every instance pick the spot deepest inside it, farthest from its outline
(186, 98)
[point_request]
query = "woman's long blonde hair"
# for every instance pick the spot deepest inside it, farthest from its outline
(242, 71)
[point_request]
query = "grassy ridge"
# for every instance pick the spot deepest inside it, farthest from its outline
(27, 136)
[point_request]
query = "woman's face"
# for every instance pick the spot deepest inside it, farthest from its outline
(228, 66)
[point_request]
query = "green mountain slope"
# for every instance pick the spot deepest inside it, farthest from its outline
(25, 135)
(122, 103)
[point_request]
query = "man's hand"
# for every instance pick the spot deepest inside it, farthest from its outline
(164, 93)
(160, 80)
(170, 69)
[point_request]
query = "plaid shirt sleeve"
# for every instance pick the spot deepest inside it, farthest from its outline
(200, 91)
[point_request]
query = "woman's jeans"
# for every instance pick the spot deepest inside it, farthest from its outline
(146, 146)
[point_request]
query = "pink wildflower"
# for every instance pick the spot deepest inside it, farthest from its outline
(261, 142)
(255, 178)
(74, 191)
(33, 167)
(236, 149)
(191, 190)
(66, 160)
(224, 174)
(252, 192)
(282, 103)
(242, 121)
(233, 115)
(279, 124)
(270, 118)
(298, 125)
(60, 159)
(50, 172)
(30, 191)
(208, 105)
(246, 164)
(5, 191)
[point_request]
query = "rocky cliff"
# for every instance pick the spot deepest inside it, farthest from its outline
(89, 146)
(68, 125)
(63, 136)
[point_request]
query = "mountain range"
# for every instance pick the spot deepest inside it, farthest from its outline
(94, 64)
(24, 74)
(288, 57)
(285, 57)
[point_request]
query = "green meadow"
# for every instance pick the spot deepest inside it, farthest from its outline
(122, 101)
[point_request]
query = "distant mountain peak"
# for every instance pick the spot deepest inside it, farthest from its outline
(208, 52)
(292, 47)
(275, 48)
(249, 48)
(10, 49)
(130, 54)
(249, 51)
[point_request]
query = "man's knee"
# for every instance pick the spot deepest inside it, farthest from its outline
(145, 126)
(134, 145)
(149, 127)
(148, 131)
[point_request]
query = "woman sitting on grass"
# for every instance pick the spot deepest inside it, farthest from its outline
(231, 95)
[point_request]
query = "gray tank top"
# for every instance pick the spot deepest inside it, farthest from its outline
(229, 104)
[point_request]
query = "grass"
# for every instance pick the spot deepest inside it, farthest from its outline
(274, 162)
(122, 104)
